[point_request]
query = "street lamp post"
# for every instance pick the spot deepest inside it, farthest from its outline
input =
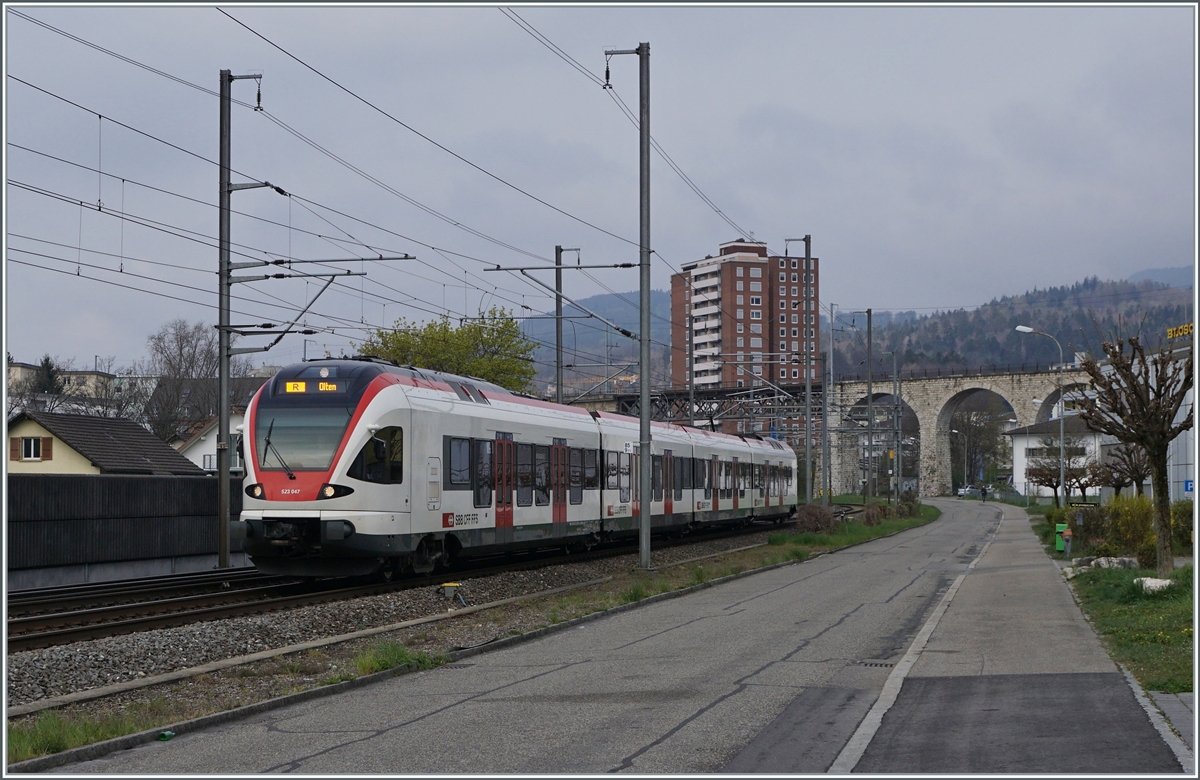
(964, 484)
(1062, 467)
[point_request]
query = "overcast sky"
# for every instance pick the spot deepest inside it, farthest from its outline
(939, 157)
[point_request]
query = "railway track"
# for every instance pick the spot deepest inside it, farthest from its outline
(77, 613)
(66, 598)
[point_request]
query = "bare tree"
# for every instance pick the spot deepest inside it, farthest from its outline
(1104, 473)
(1081, 473)
(1043, 470)
(185, 358)
(1138, 398)
(1129, 460)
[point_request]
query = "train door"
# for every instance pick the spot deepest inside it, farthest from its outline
(505, 481)
(558, 481)
(735, 483)
(714, 480)
(668, 476)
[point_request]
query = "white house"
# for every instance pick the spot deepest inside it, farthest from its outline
(201, 447)
(1030, 442)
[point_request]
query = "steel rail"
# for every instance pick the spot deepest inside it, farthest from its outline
(40, 631)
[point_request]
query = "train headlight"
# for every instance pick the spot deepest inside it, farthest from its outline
(254, 491)
(333, 491)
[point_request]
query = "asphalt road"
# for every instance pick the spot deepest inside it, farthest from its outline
(778, 672)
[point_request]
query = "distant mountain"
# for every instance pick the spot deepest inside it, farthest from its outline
(1079, 316)
(1183, 276)
(590, 344)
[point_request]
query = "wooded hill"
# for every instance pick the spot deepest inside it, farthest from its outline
(1080, 316)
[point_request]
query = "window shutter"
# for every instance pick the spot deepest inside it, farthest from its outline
(14, 447)
(47, 448)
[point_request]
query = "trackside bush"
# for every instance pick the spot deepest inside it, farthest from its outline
(815, 518)
(908, 505)
(876, 513)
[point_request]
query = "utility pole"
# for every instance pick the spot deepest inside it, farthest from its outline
(870, 419)
(225, 280)
(825, 405)
(558, 363)
(808, 480)
(645, 458)
(227, 79)
(897, 436)
(691, 359)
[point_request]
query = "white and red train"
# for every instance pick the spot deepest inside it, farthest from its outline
(359, 466)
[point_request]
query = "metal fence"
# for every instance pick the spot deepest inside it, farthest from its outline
(67, 519)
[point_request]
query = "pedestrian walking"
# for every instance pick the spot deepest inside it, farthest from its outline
(983, 493)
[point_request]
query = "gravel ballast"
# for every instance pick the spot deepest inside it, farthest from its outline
(51, 672)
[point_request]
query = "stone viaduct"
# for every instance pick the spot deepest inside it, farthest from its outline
(934, 400)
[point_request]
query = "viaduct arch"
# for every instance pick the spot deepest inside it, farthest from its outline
(934, 400)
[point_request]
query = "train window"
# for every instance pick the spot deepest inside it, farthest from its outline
(656, 477)
(541, 475)
(611, 471)
(524, 474)
(624, 475)
(576, 475)
(726, 471)
(458, 456)
(591, 476)
(684, 480)
(682, 471)
(482, 472)
(381, 459)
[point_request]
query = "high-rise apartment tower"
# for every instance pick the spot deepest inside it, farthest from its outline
(748, 320)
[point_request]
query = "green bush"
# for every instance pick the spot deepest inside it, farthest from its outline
(1130, 521)
(1147, 553)
(908, 505)
(1181, 522)
(1095, 526)
(1055, 515)
(876, 513)
(1107, 550)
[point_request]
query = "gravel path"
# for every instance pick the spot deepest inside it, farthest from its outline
(55, 671)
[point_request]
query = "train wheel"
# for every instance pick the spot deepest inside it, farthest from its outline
(424, 560)
(389, 571)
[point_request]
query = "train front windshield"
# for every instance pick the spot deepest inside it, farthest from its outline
(299, 438)
(303, 413)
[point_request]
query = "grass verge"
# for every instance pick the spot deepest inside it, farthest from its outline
(54, 731)
(75, 725)
(1150, 633)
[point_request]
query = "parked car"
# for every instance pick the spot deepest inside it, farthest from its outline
(965, 491)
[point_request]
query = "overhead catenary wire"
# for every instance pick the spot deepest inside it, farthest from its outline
(211, 93)
(200, 156)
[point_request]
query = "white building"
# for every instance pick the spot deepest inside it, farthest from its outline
(201, 447)
(1030, 442)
